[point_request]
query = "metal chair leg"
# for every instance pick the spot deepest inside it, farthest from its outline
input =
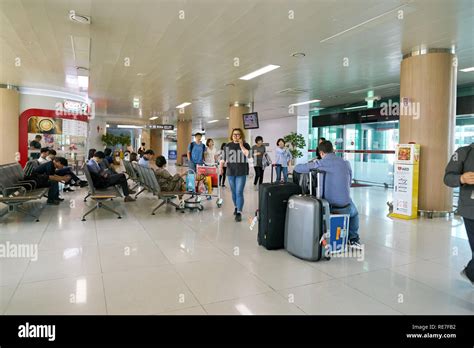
(106, 207)
(85, 198)
(158, 207)
(24, 211)
(143, 189)
(90, 211)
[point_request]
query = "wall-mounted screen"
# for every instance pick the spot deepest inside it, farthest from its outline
(250, 120)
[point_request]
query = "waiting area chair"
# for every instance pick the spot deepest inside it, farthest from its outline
(149, 182)
(100, 195)
(15, 190)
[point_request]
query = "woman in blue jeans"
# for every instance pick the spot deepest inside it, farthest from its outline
(282, 160)
(235, 157)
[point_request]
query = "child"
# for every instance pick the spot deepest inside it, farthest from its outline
(282, 160)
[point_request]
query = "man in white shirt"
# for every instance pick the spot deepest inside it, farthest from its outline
(44, 153)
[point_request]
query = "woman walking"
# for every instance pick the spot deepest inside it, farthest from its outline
(235, 157)
(282, 160)
(258, 150)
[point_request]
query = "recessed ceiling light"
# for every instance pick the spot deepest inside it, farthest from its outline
(306, 102)
(141, 74)
(213, 121)
(227, 118)
(153, 118)
(183, 105)
(230, 85)
(298, 55)
(467, 69)
(259, 72)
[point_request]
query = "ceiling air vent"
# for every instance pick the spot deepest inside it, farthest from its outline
(292, 91)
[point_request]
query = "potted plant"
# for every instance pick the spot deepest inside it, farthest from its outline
(295, 142)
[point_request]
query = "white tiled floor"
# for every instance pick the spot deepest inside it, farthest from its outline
(205, 263)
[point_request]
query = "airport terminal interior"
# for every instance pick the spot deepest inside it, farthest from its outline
(387, 84)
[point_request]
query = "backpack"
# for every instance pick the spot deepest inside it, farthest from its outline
(191, 150)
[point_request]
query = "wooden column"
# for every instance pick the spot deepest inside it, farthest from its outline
(183, 137)
(9, 125)
(156, 141)
(429, 81)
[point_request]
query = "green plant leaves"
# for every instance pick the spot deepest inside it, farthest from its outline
(296, 142)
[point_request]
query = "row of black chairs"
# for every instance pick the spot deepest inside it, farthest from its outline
(15, 190)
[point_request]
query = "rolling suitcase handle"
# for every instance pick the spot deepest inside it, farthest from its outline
(320, 177)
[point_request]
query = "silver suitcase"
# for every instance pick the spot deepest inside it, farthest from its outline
(307, 224)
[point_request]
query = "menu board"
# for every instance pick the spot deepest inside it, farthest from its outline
(74, 128)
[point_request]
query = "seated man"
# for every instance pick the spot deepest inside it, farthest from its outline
(45, 176)
(74, 181)
(337, 186)
(44, 155)
(102, 179)
(168, 182)
(146, 158)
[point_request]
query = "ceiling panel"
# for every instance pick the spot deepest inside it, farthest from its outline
(173, 60)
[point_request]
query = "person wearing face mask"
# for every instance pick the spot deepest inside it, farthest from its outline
(146, 159)
(117, 163)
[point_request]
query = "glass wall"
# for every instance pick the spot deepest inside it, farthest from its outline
(374, 165)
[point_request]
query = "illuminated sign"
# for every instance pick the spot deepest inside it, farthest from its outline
(161, 126)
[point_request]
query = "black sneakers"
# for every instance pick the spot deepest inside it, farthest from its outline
(238, 217)
(53, 202)
(235, 211)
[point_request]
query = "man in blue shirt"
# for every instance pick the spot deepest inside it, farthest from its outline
(146, 158)
(196, 152)
(338, 180)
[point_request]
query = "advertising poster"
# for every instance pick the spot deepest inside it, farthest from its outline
(405, 186)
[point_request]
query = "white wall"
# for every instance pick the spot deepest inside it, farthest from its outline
(273, 129)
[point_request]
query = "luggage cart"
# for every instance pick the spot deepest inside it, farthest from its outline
(194, 202)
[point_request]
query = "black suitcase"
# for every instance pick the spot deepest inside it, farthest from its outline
(272, 202)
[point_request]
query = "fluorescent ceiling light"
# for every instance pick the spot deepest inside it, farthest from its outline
(180, 106)
(467, 69)
(213, 121)
(107, 126)
(356, 107)
(306, 102)
(259, 72)
(83, 81)
(129, 126)
(153, 118)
